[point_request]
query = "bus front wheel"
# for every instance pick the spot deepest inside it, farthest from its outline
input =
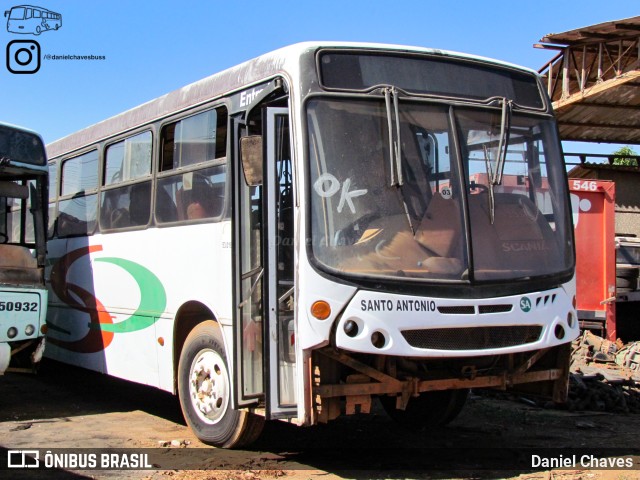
(430, 409)
(204, 388)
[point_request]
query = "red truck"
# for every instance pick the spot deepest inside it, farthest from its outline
(593, 204)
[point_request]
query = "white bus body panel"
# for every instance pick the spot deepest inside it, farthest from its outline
(139, 305)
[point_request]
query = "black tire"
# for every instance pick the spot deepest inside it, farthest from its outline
(203, 369)
(430, 409)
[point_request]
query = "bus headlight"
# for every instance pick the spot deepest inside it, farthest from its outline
(351, 328)
(378, 339)
(12, 332)
(29, 329)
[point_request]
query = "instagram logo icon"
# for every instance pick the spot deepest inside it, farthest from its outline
(23, 56)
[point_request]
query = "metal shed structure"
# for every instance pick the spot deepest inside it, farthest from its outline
(594, 81)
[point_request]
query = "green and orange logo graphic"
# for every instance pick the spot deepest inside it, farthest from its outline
(153, 300)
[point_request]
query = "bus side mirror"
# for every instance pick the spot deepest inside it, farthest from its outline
(251, 155)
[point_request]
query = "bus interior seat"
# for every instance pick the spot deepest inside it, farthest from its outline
(140, 203)
(119, 218)
(439, 231)
(196, 202)
(17, 264)
(166, 210)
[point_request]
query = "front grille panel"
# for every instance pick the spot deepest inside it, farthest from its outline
(457, 310)
(472, 338)
(494, 308)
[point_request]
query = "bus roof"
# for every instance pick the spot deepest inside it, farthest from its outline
(43, 167)
(18, 127)
(225, 82)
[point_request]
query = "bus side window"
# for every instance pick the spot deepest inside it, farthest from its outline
(192, 193)
(128, 205)
(78, 207)
(195, 139)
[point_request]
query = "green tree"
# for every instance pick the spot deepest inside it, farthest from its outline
(622, 157)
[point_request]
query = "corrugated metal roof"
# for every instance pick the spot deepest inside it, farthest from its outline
(615, 29)
(594, 81)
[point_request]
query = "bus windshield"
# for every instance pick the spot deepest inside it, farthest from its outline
(23, 295)
(390, 192)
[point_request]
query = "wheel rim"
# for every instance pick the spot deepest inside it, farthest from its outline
(209, 386)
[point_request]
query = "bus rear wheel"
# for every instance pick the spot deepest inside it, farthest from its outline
(430, 409)
(204, 388)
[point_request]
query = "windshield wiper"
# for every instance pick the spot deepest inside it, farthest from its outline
(391, 102)
(495, 174)
(395, 148)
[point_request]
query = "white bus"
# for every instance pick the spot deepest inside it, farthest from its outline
(299, 235)
(23, 213)
(32, 20)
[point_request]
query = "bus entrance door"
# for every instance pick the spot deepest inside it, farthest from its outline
(264, 362)
(281, 399)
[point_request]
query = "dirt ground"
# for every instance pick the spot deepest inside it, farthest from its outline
(69, 408)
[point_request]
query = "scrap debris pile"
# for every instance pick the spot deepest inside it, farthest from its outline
(605, 375)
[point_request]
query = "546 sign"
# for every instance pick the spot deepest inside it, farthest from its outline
(584, 185)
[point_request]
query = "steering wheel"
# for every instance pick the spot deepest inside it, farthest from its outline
(479, 186)
(119, 217)
(350, 234)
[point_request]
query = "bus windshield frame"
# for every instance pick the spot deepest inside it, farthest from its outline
(436, 75)
(23, 190)
(409, 219)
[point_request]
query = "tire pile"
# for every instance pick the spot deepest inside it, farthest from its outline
(596, 393)
(604, 376)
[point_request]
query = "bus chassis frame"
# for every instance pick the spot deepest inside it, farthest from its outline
(382, 379)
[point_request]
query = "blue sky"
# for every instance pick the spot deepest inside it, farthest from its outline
(153, 47)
